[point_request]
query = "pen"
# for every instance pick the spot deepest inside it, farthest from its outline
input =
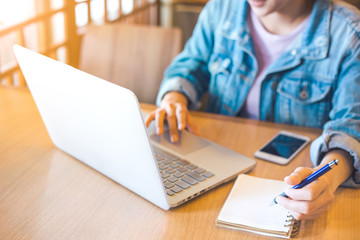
(312, 177)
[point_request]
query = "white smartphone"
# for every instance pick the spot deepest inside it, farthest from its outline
(283, 147)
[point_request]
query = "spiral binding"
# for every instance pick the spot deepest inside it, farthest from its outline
(290, 220)
(296, 226)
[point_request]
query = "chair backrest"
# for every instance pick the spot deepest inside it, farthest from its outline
(132, 56)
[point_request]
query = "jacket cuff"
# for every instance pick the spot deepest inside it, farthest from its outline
(330, 140)
(181, 85)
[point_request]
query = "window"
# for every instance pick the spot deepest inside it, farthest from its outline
(52, 27)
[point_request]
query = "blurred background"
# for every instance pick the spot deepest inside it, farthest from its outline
(55, 27)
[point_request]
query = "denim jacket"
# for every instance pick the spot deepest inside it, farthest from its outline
(314, 83)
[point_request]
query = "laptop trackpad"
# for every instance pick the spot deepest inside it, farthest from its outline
(187, 143)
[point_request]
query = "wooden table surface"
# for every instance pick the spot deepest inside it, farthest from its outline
(46, 194)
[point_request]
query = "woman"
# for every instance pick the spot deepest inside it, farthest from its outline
(291, 62)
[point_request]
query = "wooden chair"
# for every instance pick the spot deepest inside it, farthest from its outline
(132, 56)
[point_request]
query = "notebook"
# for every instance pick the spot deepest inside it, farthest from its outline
(101, 124)
(247, 208)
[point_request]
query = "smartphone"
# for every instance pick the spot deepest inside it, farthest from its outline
(283, 147)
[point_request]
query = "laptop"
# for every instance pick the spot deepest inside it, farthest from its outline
(101, 124)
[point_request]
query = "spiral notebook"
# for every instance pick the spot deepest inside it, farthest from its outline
(247, 208)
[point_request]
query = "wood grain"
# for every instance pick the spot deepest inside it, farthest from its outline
(47, 194)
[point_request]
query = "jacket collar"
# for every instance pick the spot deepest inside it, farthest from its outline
(236, 27)
(313, 43)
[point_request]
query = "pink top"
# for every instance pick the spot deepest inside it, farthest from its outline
(268, 47)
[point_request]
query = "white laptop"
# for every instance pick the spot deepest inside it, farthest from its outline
(101, 124)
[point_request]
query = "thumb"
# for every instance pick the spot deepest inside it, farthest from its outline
(298, 175)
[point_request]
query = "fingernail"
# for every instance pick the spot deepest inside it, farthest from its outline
(174, 138)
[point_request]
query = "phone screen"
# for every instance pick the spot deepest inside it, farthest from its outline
(283, 146)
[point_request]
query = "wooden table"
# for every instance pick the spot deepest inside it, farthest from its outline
(46, 194)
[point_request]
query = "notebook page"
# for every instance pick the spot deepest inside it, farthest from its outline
(248, 204)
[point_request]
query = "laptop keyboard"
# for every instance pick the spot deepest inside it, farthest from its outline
(179, 174)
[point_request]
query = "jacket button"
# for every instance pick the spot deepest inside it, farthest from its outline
(304, 94)
(273, 85)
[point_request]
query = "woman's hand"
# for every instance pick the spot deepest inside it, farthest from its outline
(173, 109)
(310, 201)
(314, 199)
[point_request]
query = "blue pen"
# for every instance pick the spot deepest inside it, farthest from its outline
(312, 177)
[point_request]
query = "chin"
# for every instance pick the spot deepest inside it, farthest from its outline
(260, 8)
(260, 12)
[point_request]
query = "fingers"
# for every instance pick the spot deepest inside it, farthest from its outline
(177, 116)
(310, 201)
(302, 210)
(149, 119)
(191, 126)
(309, 192)
(159, 116)
(181, 113)
(184, 119)
(298, 175)
(311, 216)
(172, 121)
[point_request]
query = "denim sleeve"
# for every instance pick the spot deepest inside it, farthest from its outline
(331, 140)
(343, 129)
(182, 85)
(188, 73)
